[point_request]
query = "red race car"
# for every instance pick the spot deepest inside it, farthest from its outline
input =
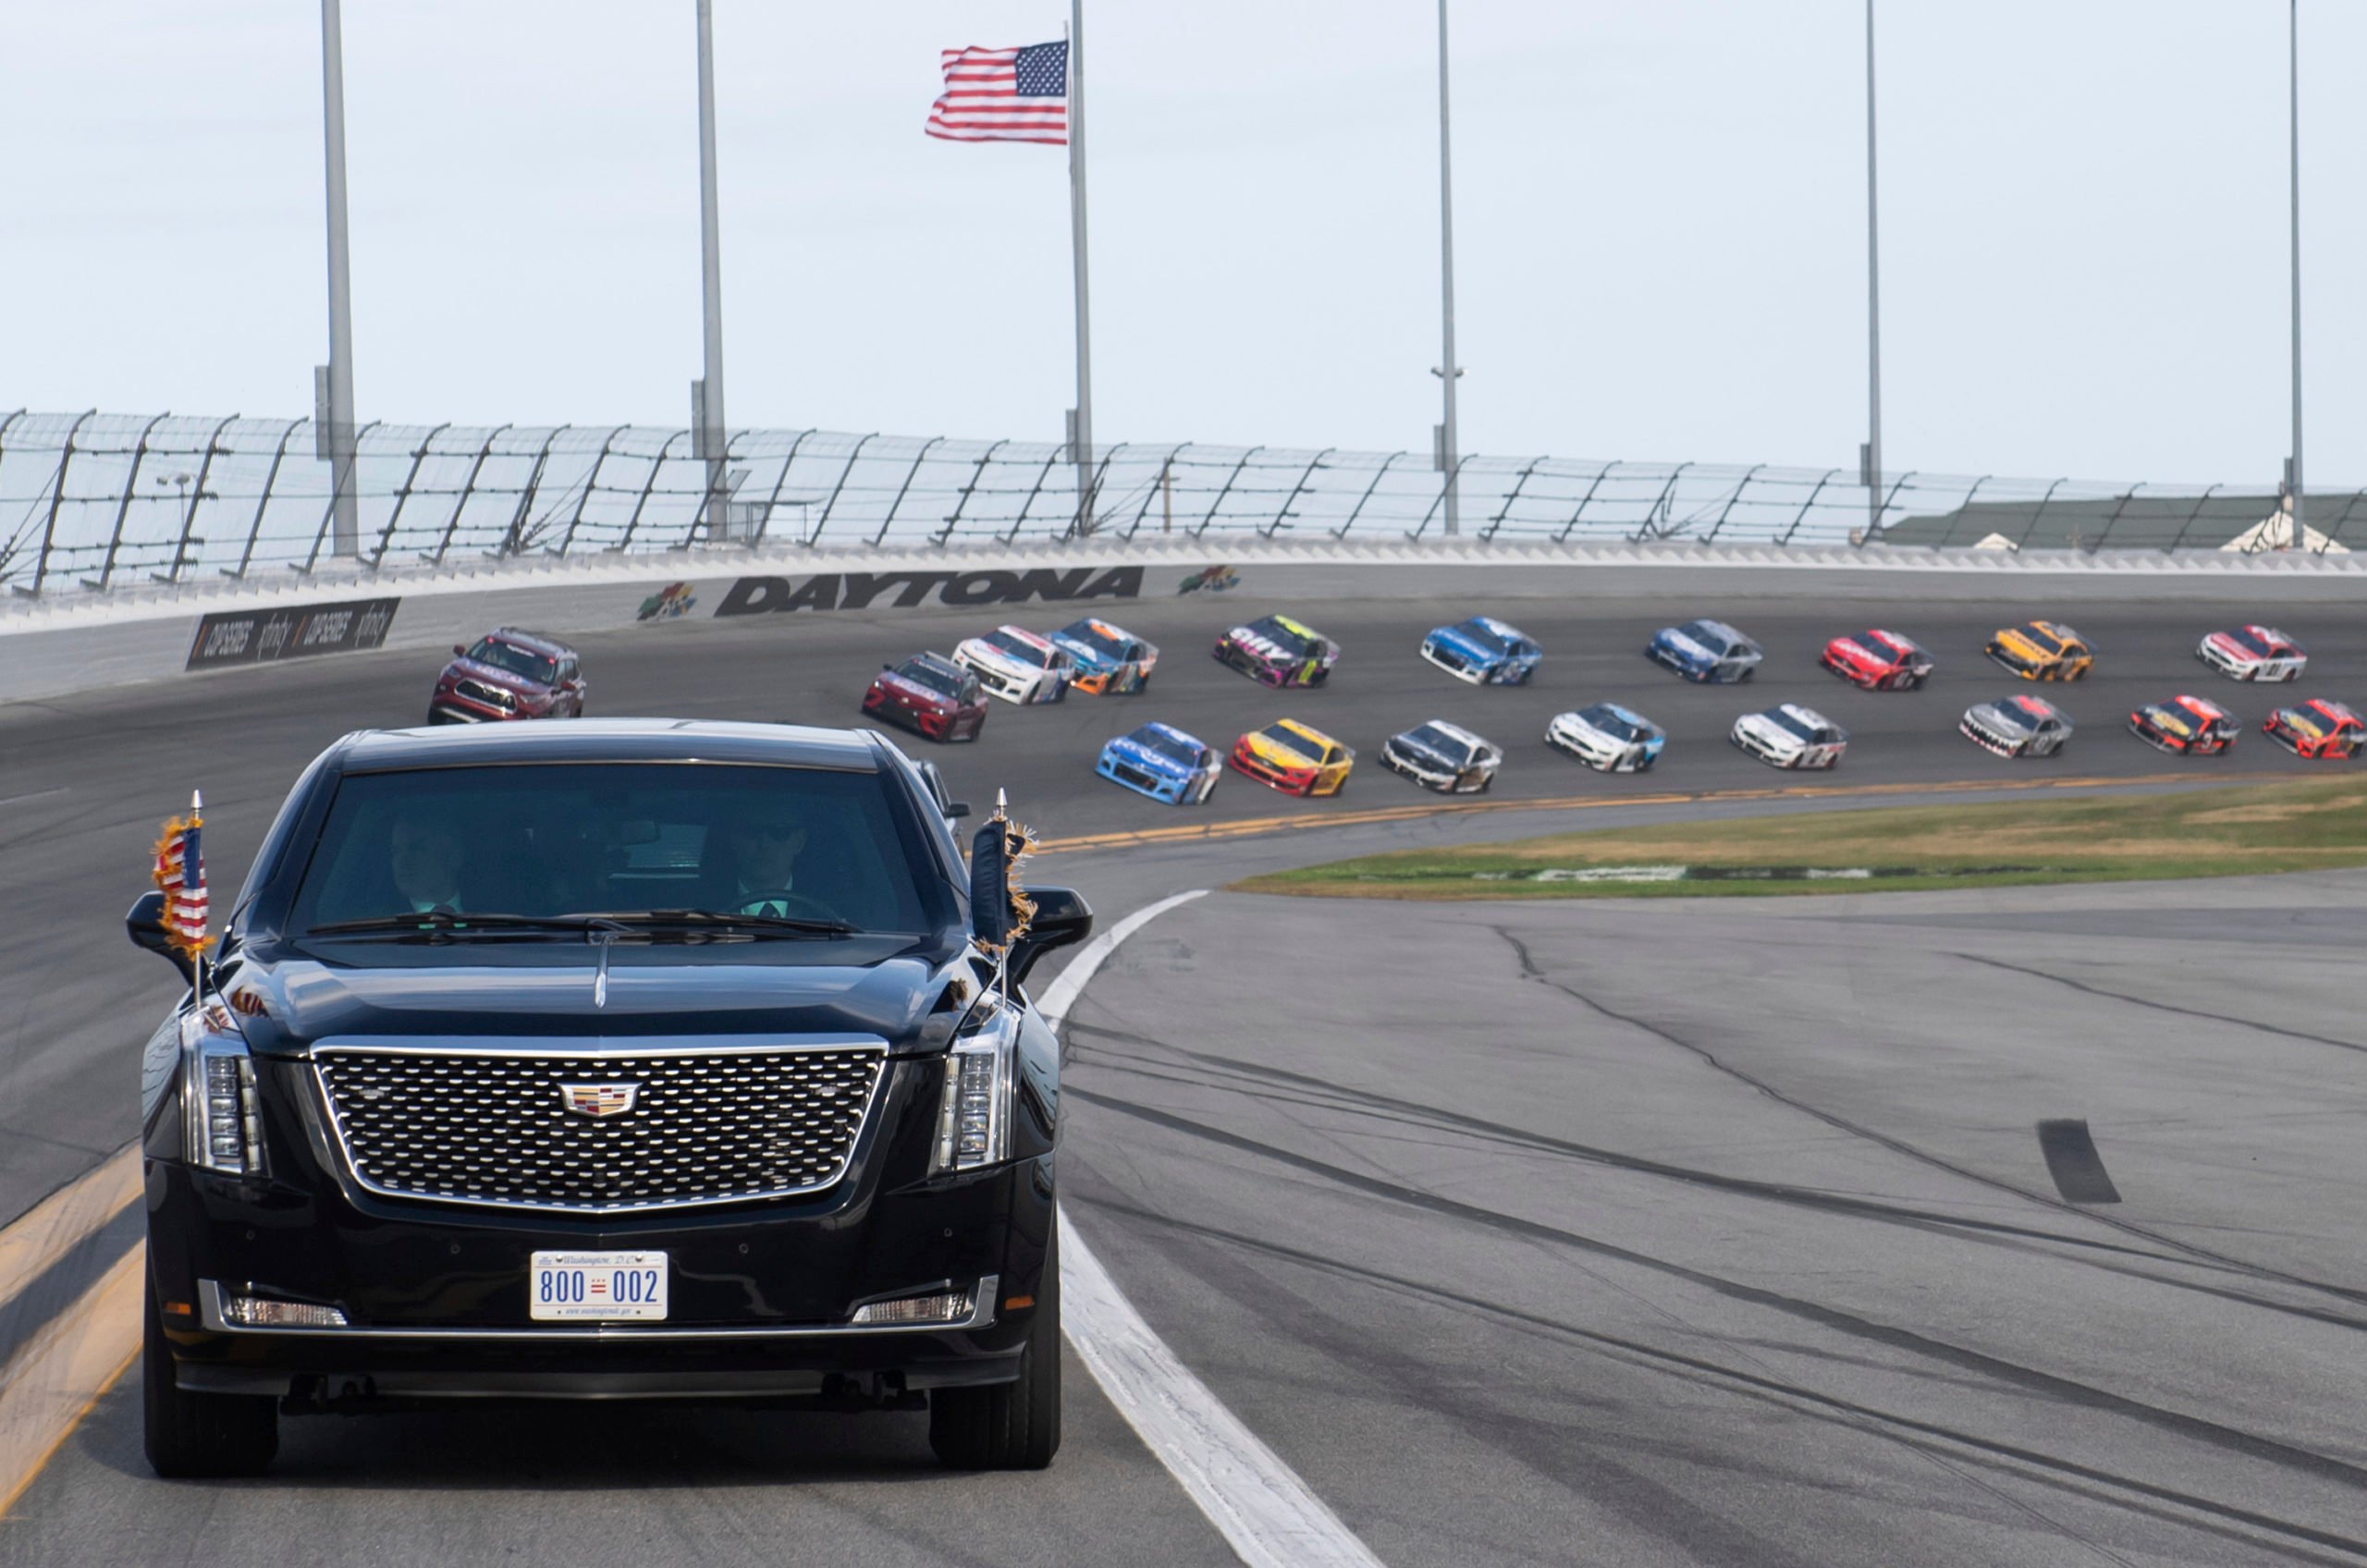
(2186, 726)
(930, 694)
(2317, 728)
(508, 674)
(1878, 660)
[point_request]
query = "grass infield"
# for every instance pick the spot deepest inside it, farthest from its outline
(2307, 825)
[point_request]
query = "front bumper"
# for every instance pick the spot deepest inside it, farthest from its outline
(1290, 781)
(1158, 787)
(1766, 752)
(762, 1294)
(1467, 671)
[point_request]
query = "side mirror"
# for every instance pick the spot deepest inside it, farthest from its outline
(1062, 919)
(957, 808)
(889, 668)
(145, 923)
(460, 651)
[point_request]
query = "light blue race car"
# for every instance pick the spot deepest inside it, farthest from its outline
(1483, 651)
(1161, 761)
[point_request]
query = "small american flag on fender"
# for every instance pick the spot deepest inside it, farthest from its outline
(180, 872)
(1004, 95)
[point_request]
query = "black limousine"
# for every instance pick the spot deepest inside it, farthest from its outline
(612, 1059)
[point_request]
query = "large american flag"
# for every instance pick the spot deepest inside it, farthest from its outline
(1004, 95)
(180, 872)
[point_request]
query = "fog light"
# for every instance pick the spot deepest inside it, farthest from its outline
(947, 1307)
(262, 1312)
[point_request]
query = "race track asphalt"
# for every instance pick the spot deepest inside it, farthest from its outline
(1682, 1234)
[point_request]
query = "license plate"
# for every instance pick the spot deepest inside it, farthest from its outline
(605, 1287)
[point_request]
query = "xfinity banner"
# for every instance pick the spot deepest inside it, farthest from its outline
(908, 590)
(291, 632)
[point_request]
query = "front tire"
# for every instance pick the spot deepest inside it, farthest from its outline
(190, 1434)
(1013, 1425)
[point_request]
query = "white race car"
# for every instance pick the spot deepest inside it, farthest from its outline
(1018, 666)
(2253, 653)
(1791, 736)
(1606, 738)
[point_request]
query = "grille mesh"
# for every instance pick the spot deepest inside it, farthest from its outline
(477, 690)
(704, 1129)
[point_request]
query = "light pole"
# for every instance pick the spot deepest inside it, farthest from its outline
(1872, 462)
(2293, 483)
(708, 439)
(1448, 458)
(333, 383)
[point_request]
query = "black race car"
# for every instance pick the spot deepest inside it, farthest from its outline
(620, 1060)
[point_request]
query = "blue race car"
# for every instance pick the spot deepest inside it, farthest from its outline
(1108, 658)
(1484, 652)
(1161, 761)
(1706, 650)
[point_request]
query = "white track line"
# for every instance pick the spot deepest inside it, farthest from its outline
(1266, 1515)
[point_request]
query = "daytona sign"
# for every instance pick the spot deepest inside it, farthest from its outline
(908, 590)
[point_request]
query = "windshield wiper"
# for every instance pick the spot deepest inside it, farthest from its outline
(782, 925)
(446, 923)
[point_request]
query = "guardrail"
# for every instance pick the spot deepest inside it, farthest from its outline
(97, 501)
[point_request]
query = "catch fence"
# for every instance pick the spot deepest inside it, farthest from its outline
(98, 501)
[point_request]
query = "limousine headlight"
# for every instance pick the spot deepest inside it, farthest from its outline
(222, 1115)
(974, 1107)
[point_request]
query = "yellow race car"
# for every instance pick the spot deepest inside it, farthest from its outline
(2042, 650)
(1295, 759)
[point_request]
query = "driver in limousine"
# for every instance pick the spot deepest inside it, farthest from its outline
(764, 851)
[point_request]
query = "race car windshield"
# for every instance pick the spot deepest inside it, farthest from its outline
(1799, 727)
(936, 677)
(571, 838)
(1290, 741)
(2044, 641)
(1094, 637)
(1430, 737)
(1018, 648)
(2246, 639)
(1611, 724)
(538, 667)
(1706, 634)
(1283, 636)
(1872, 642)
(1486, 636)
(1167, 746)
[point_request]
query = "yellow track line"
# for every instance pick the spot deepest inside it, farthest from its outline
(58, 1223)
(1256, 827)
(49, 1386)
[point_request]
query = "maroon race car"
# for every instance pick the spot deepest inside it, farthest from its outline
(931, 694)
(508, 674)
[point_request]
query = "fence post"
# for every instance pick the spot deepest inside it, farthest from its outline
(57, 498)
(1579, 511)
(516, 543)
(2356, 496)
(468, 487)
(1520, 483)
(773, 501)
(1021, 520)
(123, 506)
(853, 457)
(1297, 490)
(1229, 478)
(893, 507)
(1727, 510)
(263, 502)
(526, 495)
(962, 497)
(402, 496)
(1151, 491)
(2040, 513)
(1659, 503)
(188, 513)
(2199, 502)
(2126, 497)
(656, 467)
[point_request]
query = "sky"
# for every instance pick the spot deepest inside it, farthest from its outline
(1660, 224)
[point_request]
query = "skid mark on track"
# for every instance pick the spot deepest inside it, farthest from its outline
(2086, 989)
(1907, 1340)
(2225, 1519)
(1531, 970)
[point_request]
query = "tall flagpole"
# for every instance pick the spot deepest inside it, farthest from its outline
(1873, 460)
(333, 394)
(1449, 459)
(708, 439)
(2293, 481)
(1081, 431)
